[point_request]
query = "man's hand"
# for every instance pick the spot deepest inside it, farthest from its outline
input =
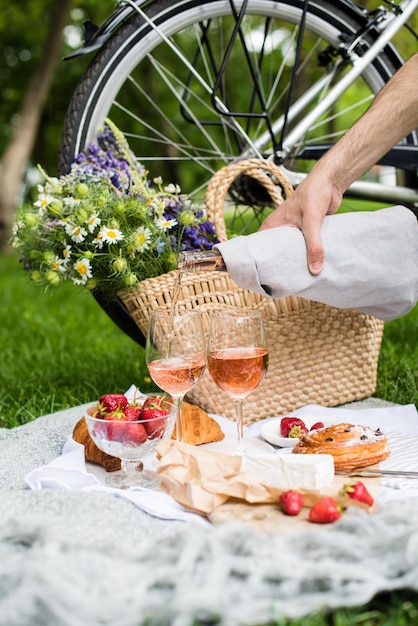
(305, 209)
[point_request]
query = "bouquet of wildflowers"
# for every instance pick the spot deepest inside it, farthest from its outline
(104, 225)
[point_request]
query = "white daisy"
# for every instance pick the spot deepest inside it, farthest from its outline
(83, 269)
(93, 221)
(71, 202)
(165, 224)
(110, 235)
(58, 264)
(141, 238)
(66, 253)
(98, 242)
(44, 199)
(76, 232)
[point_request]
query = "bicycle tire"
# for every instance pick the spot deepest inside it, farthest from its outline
(135, 53)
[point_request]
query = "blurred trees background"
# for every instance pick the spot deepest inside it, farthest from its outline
(36, 85)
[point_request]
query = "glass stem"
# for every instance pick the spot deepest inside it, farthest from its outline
(131, 466)
(240, 426)
(179, 419)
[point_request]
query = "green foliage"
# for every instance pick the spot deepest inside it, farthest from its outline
(58, 350)
(23, 29)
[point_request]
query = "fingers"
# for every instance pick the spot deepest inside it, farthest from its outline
(316, 255)
(311, 228)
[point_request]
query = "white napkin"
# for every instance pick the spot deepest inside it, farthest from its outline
(403, 457)
(69, 471)
(371, 262)
(401, 419)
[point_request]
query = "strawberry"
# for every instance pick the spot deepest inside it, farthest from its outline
(134, 433)
(133, 412)
(116, 429)
(317, 426)
(112, 402)
(153, 401)
(325, 511)
(152, 409)
(95, 411)
(292, 427)
(357, 491)
(291, 502)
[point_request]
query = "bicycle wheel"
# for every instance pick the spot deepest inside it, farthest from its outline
(186, 121)
(207, 88)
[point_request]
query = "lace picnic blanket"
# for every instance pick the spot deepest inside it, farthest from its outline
(71, 558)
(98, 570)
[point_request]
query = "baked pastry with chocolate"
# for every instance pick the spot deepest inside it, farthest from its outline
(351, 445)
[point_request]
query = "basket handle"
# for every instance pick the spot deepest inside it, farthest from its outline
(222, 180)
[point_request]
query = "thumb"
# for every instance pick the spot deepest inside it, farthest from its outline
(316, 259)
(315, 251)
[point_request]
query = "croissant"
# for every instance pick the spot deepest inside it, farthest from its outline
(351, 445)
(198, 426)
(91, 452)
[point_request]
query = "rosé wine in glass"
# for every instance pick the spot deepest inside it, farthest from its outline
(177, 375)
(238, 371)
(237, 358)
(175, 352)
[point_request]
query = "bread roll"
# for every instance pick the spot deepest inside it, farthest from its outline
(352, 446)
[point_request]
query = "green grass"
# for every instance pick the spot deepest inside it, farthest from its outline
(60, 350)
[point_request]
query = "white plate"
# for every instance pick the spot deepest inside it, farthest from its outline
(229, 444)
(270, 431)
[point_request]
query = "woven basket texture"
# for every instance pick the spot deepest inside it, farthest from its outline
(317, 354)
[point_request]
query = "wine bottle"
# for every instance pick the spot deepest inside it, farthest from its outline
(201, 261)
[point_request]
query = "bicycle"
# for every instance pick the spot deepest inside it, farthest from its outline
(197, 84)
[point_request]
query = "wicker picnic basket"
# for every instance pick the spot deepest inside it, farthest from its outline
(317, 354)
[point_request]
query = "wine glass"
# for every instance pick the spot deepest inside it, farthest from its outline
(131, 441)
(237, 358)
(175, 353)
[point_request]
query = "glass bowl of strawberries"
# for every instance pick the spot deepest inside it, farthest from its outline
(130, 431)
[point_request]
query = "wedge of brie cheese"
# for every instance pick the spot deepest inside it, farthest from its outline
(288, 471)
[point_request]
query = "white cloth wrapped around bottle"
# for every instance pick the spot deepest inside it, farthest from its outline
(371, 262)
